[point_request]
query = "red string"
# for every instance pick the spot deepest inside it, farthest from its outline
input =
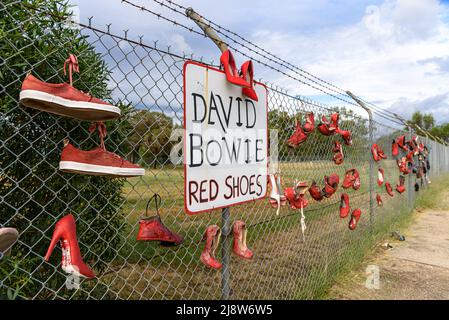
(102, 132)
(72, 63)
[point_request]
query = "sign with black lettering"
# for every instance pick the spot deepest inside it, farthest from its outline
(225, 141)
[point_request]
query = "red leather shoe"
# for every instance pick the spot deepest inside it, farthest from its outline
(394, 149)
(240, 248)
(315, 192)
(401, 186)
(379, 200)
(296, 195)
(352, 179)
(277, 197)
(389, 189)
(409, 156)
(355, 216)
(97, 161)
(374, 152)
(333, 125)
(212, 238)
(297, 137)
(65, 100)
(344, 205)
(152, 228)
(346, 135)
(380, 176)
(401, 142)
(228, 62)
(309, 126)
(330, 185)
(65, 232)
(247, 72)
(338, 153)
(402, 165)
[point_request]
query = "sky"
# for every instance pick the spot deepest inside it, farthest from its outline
(394, 53)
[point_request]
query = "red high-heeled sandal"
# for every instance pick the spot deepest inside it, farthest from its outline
(247, 72)
(240, 248)
(65, 232)
(212, 237)
(228, 62)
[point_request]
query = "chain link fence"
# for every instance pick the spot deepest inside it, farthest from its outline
(146, 82)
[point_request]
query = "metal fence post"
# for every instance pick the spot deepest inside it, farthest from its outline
(371, 160)
(410, 194)
(225, 253)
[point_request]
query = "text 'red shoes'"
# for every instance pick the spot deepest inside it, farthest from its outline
(65, 232)
(352, 179)
(228, 62)
(389, 189)
(212, 238)
(97, 161)
(247, 72)
(239, 247)
(338, 153)
(8, 237)
(152, 228)
(379, 200)
(315, 192)
(298, 137)
(380, 176)
(355, 216)
(65, 100)
(344, 205)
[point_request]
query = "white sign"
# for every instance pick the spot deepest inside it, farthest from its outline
(225, 141)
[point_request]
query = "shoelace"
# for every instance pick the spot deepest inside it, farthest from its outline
(102, 132)
(72, 64)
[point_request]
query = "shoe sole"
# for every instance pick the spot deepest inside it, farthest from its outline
(8, 237)
(97, 170)
(64, 107)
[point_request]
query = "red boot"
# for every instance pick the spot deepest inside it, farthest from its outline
(297, 137)
(355, 216)
(315, 192)
(239, 247)
(309, 126)
(379, 200)
(152, 228)
(344, 205)
(338, 153)
(380, 176)
(389, 189)
(212, 238)
(65, 232)
(394, 149)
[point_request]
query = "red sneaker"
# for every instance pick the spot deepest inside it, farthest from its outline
(65, 100)
(380, 176)
(379, 200)
(338, 153)
(309, 126)
(344, 205)
(315, 192)
(355, 216)
(297, 137)
(152, 228)
(97, 161)
(389, 189)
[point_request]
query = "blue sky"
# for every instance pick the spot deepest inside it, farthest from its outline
(391, 52)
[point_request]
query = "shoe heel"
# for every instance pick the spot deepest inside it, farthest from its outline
(54, 240)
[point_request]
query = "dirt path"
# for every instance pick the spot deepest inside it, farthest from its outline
(417, 268)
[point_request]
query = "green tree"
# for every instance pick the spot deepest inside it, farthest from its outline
(34, 193)
(428, 121)
(417, 118)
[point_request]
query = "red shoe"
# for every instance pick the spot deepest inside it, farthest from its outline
(380, 176)
(309, 126)
(277, 197)
(315, 192)
(344, 205)
(247, 72)
(228, 62)
(212, 238)
(401, 142)
(381, 153)
(401, 186)
(389, 189)
(296, 195)
(333, 125)
(394, 149)
(330, 185)
(97, 161)
(402, 165)
(152, 228)
(65, 232)
(352, 179)
(355, 216)
(65, 100)
(297, 137)
(346, 135)
(338, 156)
(409, 156)
(379, 200)
(324, 129)
(239, 247)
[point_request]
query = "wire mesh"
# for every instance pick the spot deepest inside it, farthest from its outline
(146, 82)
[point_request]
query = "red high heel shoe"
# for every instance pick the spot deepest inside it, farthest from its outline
(247, 72)
(355, 216)
(277, 197)
(394, 149)
(323, 128)
(297, 137)
(375, 152)
(346, 135)
(152, 228)
(315, 192)
(296, 195)
(401, 186)
(333, 125)
(338, 156)
(389, 189)
(379, 200)
(401, 142)
(309, 126)
(212, 238)
(380, 176)
(352, 179)
(330, 185)
(228, 62)
(344, 205)
(240, 248)
(65, 232)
